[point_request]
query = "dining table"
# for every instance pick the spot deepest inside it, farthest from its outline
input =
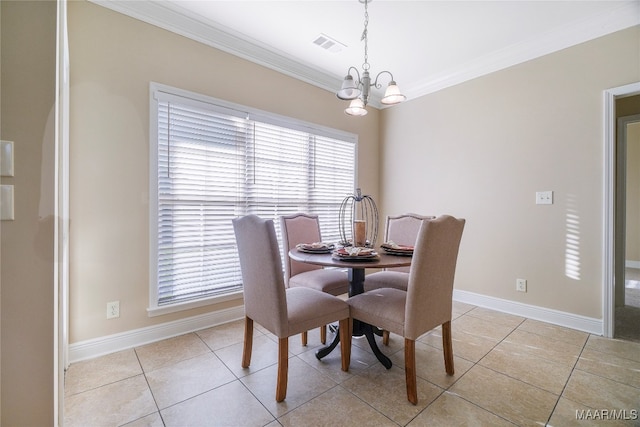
(356, 275)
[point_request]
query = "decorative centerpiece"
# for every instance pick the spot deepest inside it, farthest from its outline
(358, 221)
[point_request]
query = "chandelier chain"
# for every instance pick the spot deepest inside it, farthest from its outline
(365, 37)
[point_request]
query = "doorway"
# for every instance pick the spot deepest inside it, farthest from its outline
(627, 283)
(622, 212)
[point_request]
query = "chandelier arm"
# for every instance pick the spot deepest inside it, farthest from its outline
(379, 85)
(358, 81)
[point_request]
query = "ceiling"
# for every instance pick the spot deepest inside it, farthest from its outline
(427, 45)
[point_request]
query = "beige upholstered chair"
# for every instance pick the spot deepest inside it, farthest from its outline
(305, 228)
(402, 230)
(427, 301)
(282, 311)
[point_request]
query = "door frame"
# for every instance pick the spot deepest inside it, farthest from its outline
(609, 242)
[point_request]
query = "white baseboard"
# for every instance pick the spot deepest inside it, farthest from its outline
(560, 318)
(112, 343)
(117, 342)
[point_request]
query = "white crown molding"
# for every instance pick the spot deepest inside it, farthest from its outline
(171, 17)
(625, 16)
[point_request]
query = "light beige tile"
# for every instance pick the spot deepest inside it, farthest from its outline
(516, 361)
(459, 308)
(386, 390)
(573, 414)
(496, 317)
(229, 405)
(430, 365)
(331, 365)
(491, 331)
(110, 405)
(186, 379)
(600, 393)
(625, 349)
(560, 333)
(169, 351)
(153, 420)
(264, 353)
(450, 410)
(466, 346)
(396, 343)
(89, 374)
(610, 366)
(514, 400)
(224, 335)
(313, 341)
(546, 347)
(304, 384)
(337, 407)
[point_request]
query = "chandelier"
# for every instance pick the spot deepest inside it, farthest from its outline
(357, 91)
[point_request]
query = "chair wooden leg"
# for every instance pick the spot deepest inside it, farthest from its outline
(304, 338)
(346, 327)
(410, 370)
(447, 347)
(283, 369)
(248, 342)
(385, 337)
(323, 334)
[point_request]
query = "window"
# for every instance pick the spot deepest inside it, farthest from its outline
(211, 162)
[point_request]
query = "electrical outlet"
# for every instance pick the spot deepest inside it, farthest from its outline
(544, 198)
(521, 285)
(113, 309)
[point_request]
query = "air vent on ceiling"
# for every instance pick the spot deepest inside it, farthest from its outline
(327, 43)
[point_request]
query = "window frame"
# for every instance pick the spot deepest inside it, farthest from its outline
(160, 92)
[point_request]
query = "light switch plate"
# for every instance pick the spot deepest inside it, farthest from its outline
(6, 158)
(6, 202)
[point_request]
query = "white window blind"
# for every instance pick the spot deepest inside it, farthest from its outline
(213, 163)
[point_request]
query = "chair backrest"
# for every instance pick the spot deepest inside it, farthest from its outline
(430, 290)
(298, 228)
(403, 230)
(264, 291)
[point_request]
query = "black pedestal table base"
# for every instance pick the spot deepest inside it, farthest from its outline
(356, 286)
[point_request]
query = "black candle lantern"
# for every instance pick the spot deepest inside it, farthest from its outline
(358, 220)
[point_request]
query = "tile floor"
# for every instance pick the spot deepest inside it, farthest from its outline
(509, 371)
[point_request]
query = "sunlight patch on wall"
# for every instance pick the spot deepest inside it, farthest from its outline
(572, 248)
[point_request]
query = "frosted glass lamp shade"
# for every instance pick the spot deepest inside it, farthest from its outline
(356, 108)
(392, 95)
(349, 89)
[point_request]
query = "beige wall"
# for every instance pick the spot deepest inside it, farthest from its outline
(28, 32)
(480, 150)
(113, 59)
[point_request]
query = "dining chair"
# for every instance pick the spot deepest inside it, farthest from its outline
(282, 311)
(427, 301)
(402, 230)
(305, 228)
